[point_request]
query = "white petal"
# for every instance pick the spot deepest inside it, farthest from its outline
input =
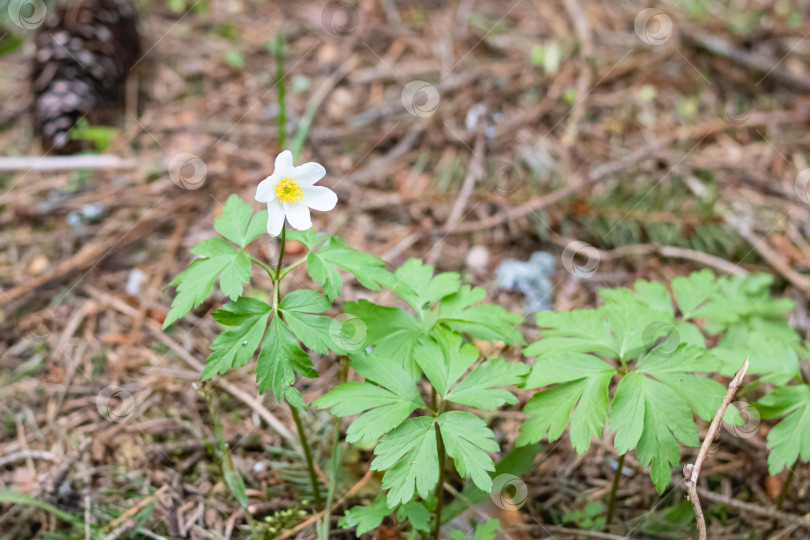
(308, 173)
(284, 164)
(264, 191)
(298, 215)
(275, 217)
(319, 198)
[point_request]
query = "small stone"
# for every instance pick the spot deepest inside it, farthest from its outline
(38, 265)
(134, 281)
(477, 259)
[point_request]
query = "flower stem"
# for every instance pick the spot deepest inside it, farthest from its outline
(283, 243)
(287, 269)
(282, 103)
(612, 501)
(313, 477)
(440, 484)
(784, 491)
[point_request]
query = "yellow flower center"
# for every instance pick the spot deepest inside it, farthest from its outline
(288, 191)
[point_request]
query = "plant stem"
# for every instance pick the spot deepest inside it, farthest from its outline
(440, 485)
(282, 103)
(783, 493)
(287, 269)
(612, 502)
(313, 477)
(336, 457)
(283, 241)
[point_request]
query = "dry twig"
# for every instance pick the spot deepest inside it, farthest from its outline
(691, 472)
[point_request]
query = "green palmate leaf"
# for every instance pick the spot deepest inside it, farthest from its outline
(483, 321)
(477, 388)
(392, 332)
(444, 360)
(305, 301)
(693, 291)
(325, 274)
(741, 299)
(309, 237)
(581, 330)
(369, 270)
(467, 439)
(624, 310)
(299, 309)
(366, 518)
(387, 405)
(770, 347)
(409, 456)
(485, 531)
(280, 359)
(238, 224)
(416, 285)
(581, 381)
(217, 259)
(789, 440)
(654, 295)
(651, 417)
(416, 514)
(677, 371)
(234, 348)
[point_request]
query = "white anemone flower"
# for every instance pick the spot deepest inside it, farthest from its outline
(291, 191)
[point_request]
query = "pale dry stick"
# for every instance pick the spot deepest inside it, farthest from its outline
(320, 95)
(24, 455)
(586, 534)
(691, 472)
(315, 517)
(232, 389)
(65, 163)
(154, 286)
(772, 513)
(60, 350)
(91, 254)
(584, 82)
(140, 505)
(758, 62)
(121, 531)
(596, 174)
(776, 260)
(664, 251)
(155, 328)
(605, 170)
(474, 173)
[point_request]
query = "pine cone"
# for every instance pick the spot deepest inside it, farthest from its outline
(83, 56)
